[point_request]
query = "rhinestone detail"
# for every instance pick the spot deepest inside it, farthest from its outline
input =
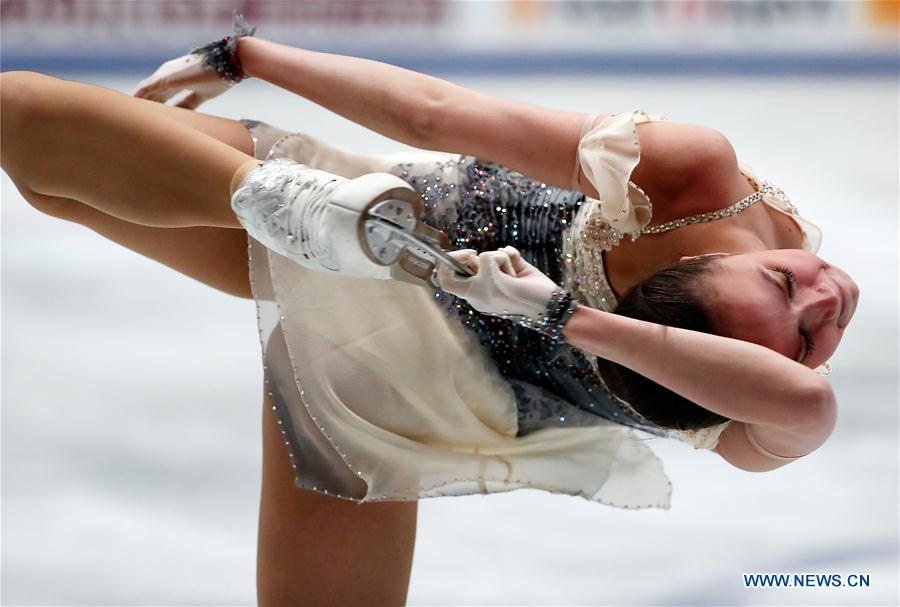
(728, 211)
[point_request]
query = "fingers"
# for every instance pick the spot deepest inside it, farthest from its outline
(171, 77)
(163, 96)
(522, 268)
(453, 283)
(157, 93)
(153, 87)
(499, 259)
(519, 265)
(145, 88)
(450, 280)
(191, 101)
(490, 261)
(463, 254)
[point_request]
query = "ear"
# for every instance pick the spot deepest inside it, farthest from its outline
(691, 257)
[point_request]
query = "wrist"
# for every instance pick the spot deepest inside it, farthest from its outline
(222, 56)
(247, 49)
(572, 331)
(587, 324)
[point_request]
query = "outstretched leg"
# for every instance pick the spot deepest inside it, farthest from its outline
(118, 154)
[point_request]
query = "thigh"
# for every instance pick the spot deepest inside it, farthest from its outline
(320, 550)
(215, 256)
(226, 130)
(116, 153)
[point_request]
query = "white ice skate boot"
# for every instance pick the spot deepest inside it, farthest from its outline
(366, 227)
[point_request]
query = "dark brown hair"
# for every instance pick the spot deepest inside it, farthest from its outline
(671, 297)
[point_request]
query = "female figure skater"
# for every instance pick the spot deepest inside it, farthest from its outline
(504, 404)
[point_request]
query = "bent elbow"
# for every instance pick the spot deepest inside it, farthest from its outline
(816, 405)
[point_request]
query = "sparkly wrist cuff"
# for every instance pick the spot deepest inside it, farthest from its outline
(221, 56)
(559, 310)
(550, 324)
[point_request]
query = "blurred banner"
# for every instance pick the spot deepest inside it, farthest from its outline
(662, 36)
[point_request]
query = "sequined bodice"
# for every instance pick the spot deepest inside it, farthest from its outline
(485, 206)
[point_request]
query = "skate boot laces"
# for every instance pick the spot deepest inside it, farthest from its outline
(287, 202)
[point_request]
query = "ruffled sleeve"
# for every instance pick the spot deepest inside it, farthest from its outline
(704, 438)
(608, 153)
(778, 200)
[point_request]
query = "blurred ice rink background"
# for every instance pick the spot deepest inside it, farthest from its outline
(131, 394)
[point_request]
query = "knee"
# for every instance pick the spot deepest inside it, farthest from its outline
(54, 206)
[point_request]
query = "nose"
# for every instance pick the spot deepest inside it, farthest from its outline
(822, 305)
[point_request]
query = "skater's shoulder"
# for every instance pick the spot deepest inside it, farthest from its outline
(682, 168)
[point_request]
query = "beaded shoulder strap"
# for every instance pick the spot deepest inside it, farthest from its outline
(737, 207)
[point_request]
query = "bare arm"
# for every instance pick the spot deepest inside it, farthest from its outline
(791, 408)
(434, 114)
(416, 108)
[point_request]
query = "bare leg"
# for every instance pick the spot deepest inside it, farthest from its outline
(118, 154)
(320, 550)
(216, 257)
(296, 527)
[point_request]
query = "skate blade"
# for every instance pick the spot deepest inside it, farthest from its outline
(426, 239)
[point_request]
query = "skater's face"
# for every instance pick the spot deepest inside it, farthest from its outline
(787, 300)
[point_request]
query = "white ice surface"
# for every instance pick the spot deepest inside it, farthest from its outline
(130, 417)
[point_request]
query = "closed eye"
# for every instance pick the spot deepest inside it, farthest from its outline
(791, 281)
(807, 344)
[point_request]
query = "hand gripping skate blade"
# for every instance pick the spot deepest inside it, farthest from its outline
(426, 246)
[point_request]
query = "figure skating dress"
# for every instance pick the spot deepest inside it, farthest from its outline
(389, 391)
